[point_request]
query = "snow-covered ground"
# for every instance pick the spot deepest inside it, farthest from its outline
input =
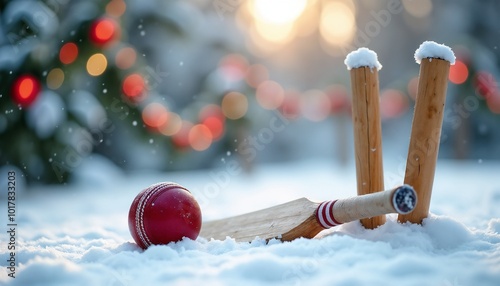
(78, 234)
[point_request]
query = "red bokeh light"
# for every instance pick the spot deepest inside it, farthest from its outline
(103, 31)
(459, 72)
(339, 98)
(291, 104)
(212, 117)
(25, 90)
(181, 138)
(233, 67)
(68, 53)
(134, 86)
(393, 103)
(486, 84)
(493, 102)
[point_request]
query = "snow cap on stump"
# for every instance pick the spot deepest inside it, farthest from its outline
(362, 57)
(431, 49)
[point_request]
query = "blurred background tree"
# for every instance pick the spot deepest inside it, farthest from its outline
(173, 85)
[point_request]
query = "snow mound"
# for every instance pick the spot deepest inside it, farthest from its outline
(78, 234)
(431, 49)
(362, 57)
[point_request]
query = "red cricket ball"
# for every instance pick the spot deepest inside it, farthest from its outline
(163, 213)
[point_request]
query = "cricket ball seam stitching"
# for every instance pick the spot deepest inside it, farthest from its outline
(139, 218)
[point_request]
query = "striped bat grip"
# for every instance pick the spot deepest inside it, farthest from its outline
(402, 200)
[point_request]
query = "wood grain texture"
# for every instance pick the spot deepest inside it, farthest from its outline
(367, 136)
(274, 222)
(296, 219)
(426, 134)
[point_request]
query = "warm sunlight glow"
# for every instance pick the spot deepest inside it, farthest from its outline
(337, 23)
(275, 33)
(278, 11)
(418, 9)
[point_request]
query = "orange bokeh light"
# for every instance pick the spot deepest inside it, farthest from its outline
(172, 125)
(68, 53)
(103, 31)
(25, 90)
(134, 86)
(458, 72)
(200, 137)
(155, 115)
(234, 105)
(116, 8)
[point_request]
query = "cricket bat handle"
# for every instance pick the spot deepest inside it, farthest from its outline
(402, 200)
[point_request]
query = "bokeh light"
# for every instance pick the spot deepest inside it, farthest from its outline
(55, 78)
(315, 105)
(134, 86)
(125, 58)
(154, 115)
(25, 90)
(234, 105)
(418, 9)
(270, 95)
(493, 102)
(116, 8)
(274, 33)
(103, 31)
(485, 84)
(278, 11)
(337, 23)
(172, 125)
(212, 117)
(233, 67)
(291, 104)
(200, 137)
(393, 103)
(256, 74)
(68, 53)
(97, 64)
(181, 138)
(413, 87)
(458, 72)
(339, 98)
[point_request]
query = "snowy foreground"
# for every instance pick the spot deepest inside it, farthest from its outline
(78, 235)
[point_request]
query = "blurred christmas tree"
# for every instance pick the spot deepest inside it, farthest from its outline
(85, 77)
(67, 74)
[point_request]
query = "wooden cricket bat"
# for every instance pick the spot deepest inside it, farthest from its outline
(304, 218)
